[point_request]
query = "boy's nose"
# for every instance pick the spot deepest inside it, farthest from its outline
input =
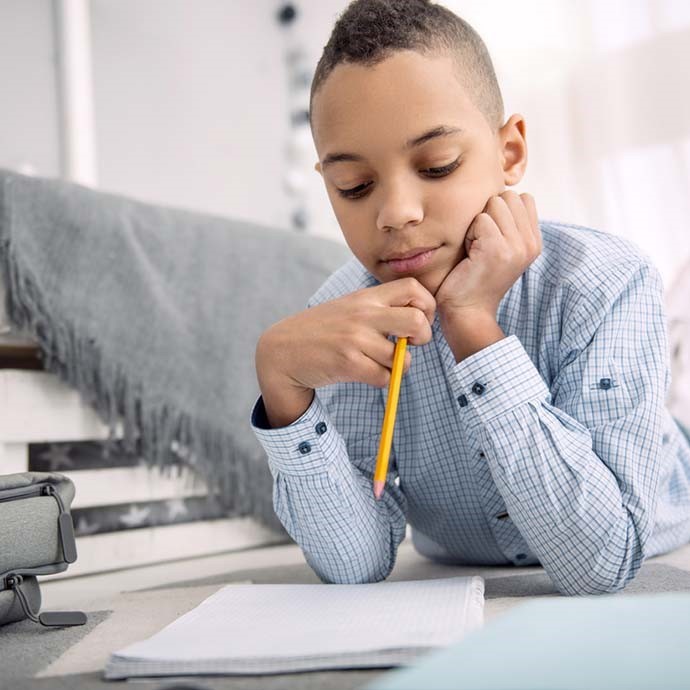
(400, 207)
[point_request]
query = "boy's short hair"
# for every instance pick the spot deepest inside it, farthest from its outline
(369, 31)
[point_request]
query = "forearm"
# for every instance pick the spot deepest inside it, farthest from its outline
(283, 401)
(327, 504)
(346, 536)
(567, 504)
(583, 500)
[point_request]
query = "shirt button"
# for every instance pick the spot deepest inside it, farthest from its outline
(521, 556)
(462, 400)
(478, 388)
(304, 447)
(605, 383)
(664, 438)
(321, 428)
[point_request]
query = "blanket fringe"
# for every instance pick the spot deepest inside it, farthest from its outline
(164, 437)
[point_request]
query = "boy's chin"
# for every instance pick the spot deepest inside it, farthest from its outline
(431, 280)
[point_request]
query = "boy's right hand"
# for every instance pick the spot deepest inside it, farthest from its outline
(345, 339)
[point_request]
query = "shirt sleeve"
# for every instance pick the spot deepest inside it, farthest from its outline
(578, 464)
(323, 484)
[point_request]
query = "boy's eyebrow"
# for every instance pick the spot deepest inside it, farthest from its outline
(440, 131)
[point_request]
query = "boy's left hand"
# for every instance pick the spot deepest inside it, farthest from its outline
(500, 243)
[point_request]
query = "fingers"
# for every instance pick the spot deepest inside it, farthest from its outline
(374, 308)
(376, 363)
(407, 322)
(531, 207)
(381, 350)
(502, 214)
(408, 292)
(373, 373)
(408, 361)
(517, 208)
(483, 227)
(515, 216)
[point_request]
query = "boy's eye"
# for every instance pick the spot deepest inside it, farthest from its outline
(442, 171)
(355, 192)
(362, 189)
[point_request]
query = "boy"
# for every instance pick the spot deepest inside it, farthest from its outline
(531, 425)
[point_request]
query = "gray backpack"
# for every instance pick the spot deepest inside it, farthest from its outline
(36, 538)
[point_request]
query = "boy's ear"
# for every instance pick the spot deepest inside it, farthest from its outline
(513, 143)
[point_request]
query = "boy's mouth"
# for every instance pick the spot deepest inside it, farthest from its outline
(411, 260)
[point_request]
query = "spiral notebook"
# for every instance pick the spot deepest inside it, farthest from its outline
(257, 629)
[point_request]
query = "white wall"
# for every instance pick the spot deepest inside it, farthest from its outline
(188, 100)
(28, 96)
(606, 92)
(191, 105)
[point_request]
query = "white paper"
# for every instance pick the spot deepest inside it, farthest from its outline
(267, 626)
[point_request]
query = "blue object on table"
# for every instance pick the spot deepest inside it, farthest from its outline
(611, 641)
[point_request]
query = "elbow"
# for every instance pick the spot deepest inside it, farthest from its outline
(358, 566)
(357, 578)
(608, 571)
(591, 584)
(353, 568)
(352, 572)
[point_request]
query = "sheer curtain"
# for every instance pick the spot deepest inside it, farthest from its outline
(605, 89)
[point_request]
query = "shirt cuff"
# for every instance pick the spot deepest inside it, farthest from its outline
(306, 446)
(495, 380)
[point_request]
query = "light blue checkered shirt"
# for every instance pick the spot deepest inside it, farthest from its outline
(564, 454)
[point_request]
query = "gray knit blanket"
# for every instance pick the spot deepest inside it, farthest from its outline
(153, 314)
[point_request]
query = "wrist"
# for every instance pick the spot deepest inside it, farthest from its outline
(285, 400)
(272, 362)
(284, 406)
(468, 331)
(462, 317)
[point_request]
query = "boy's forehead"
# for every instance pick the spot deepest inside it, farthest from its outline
(399, 95)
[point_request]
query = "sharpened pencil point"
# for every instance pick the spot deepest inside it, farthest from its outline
(378, 489)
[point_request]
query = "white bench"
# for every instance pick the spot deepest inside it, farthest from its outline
(35, 407)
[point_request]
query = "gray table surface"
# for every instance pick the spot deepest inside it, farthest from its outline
(33, 658)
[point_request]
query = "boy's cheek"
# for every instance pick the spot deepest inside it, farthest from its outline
(433, 281)
(462, 202)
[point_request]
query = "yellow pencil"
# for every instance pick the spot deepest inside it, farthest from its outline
(389, 417)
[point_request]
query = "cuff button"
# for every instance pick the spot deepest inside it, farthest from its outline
(321, 428)
(304, 447)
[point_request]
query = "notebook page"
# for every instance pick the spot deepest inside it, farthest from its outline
(278, 621)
